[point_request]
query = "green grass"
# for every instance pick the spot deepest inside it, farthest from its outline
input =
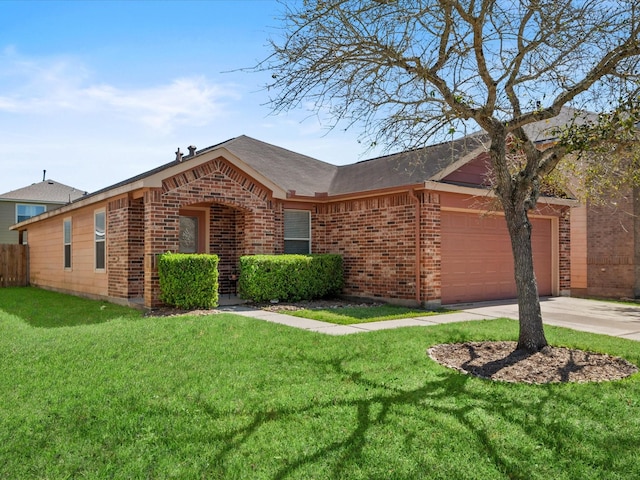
(42, 308)
(230, 397)
(352, 315)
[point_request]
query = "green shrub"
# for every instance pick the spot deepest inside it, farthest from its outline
(290, 277)
(188, 280)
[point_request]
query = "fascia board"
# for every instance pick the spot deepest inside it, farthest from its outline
(451, 188)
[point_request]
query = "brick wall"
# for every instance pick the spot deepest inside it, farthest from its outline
(377, 239)
(161, 222)
(611, 248)
(431, 256)
(117, 247)
(226, 242)
(218, 182)
(564, 260)
(125, 248)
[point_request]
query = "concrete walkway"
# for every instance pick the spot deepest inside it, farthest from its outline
(579, 314)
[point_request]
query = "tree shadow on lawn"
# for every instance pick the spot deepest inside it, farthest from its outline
(450, 398)
(46, 309)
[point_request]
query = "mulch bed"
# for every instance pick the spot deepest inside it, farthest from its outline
(314, 305)
(501, 361)
(272, 307)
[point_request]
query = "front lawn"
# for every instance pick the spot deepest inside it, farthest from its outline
(224, 396)
(354, 315)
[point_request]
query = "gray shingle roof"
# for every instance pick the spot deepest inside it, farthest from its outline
(48, 191)
(543, 131)
(287, 169)
(307, 176)
(417, 166)
(405, 168)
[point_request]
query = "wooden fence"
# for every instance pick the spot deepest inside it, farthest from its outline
(13, 265)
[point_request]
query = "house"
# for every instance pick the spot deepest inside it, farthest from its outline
(605, 247)
(417, 227)
(23, 203)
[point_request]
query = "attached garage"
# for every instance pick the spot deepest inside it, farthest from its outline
(477, 262)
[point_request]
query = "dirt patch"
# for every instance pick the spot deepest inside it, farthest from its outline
(500, 361)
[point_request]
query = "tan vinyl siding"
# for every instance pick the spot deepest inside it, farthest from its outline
(47, 260)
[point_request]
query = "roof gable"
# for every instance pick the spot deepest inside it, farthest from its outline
(472, 173)
(274, 166)
(289, 170)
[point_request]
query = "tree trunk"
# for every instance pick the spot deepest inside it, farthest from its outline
(531, 336)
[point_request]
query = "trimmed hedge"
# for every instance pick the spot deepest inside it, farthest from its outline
(188, 280)
(290, 277)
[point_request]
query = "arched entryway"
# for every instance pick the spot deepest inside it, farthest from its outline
(216, 228)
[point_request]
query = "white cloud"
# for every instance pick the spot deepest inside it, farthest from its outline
(63, 85)
(185, 101)
(89, 131)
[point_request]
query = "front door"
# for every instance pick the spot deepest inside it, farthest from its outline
(192, 232)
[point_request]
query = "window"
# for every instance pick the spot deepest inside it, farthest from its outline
(100, 237)
(297, 231)
(24, 212)
(67, 243)
(188, 234)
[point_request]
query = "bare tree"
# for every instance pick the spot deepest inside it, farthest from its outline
(408, 72)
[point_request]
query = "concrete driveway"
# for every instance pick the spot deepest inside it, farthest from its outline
(577, 313)
(609, 318)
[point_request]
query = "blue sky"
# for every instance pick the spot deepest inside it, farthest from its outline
(95, 92)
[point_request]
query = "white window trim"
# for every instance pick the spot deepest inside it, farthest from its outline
(95, 242)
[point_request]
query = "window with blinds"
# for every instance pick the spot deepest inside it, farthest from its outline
(297, 231)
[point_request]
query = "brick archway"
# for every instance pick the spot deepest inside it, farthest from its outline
(242, 218)
(226, 239)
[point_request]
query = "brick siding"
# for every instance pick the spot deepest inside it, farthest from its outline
(611, 248)
(376, 237)
(564, 230)
(125, 248)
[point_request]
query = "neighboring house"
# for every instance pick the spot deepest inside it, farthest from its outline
(418, 227)
(605, 247)
(24, 203)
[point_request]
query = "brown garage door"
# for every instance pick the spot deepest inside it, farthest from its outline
(477, 263)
